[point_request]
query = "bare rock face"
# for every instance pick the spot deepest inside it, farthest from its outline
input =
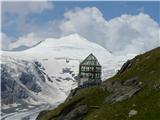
(73, 111)
(121, 91)
(125, 66)
(18, 78)
(72, 93)
(75, 114)
(11, 91)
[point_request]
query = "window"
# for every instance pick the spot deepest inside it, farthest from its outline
(82, 68)
(87, 68)
(98, 69)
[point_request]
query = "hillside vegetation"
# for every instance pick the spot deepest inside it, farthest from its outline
(132, 94)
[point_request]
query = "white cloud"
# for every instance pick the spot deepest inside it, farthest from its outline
(26, 7)
(88, 22)
(27, 40)
(4, 41)
(121, 35)
(134, 34)
(15, 14)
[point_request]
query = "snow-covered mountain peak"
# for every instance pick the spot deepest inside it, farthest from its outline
(70, 40)
(47, 71)
(73, 46)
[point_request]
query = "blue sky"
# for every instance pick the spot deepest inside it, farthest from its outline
(133, 25)
(109, 10)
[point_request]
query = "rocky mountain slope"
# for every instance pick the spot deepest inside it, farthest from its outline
(46, 72)
(132, 94)
(25, 85)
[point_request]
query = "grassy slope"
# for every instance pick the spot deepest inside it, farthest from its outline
(146, 102)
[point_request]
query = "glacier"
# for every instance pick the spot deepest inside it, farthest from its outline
(53, 64)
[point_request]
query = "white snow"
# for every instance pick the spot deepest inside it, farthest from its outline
(30, 114)
(53, 53)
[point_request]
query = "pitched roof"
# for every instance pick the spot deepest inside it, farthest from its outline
(90, 60)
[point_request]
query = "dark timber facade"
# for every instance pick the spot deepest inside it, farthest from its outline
(89, 72)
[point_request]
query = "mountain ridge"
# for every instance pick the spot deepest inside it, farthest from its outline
(129, 95)
(52, 55)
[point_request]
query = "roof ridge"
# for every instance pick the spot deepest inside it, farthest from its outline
(90, 60)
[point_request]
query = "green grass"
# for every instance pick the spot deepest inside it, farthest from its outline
(93, 96)
(146, 67)
(146, 102)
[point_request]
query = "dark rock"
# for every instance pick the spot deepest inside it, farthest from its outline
(38, 63)
(72, 93)
(12, 93)
(49, 79)
(131, 82)
(123, 94)
(67, 78)
(40, 74)
(76, 77)
(41, 114)
(73, 75)
(77, 113)
(36, 88)
(125, 66)
(74, 114)
(29, 81)
(123, 90)
(73, 111)
(58, 80)
(26, 78)
(67, 70)
(22, 94)
(17, 78)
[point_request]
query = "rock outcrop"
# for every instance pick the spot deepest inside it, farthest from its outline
(74, 114)
(18, 78)
(133, 93)
(125, 66)
(121, 91)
